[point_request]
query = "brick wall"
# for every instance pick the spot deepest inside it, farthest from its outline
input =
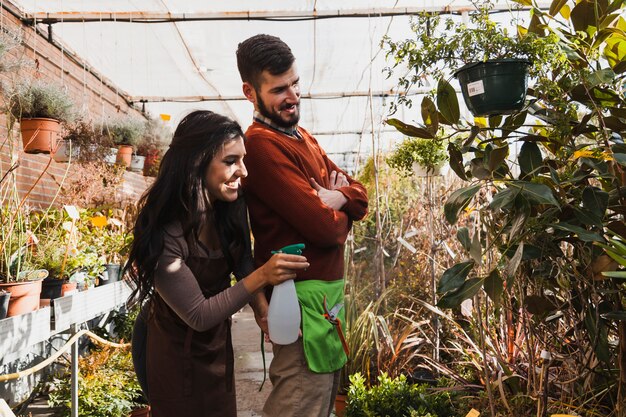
(92, 94)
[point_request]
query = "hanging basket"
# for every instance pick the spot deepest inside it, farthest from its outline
(40, 135)
(495, 86)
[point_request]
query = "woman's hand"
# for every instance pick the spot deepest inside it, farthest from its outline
(282, 267)
(279, 268)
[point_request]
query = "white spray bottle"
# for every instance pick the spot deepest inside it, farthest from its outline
(283, 317)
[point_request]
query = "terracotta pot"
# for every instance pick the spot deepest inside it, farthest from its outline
(68, 287)
(24, 296)
(340, 405)
(40, 135)
(141, 412)
(124, 155)
(151, 164)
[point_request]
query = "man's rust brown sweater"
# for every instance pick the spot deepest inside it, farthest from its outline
(285, 209)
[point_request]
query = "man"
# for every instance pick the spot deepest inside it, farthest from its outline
(296, 194)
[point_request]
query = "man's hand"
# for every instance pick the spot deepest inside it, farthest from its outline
(331, 197)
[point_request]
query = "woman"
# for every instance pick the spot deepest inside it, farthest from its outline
(191, 233)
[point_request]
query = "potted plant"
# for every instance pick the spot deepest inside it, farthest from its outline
(40, 108)
(86, 142)
(491, 64)
(153, 145)
(419, 157)
(55, 250)
(16, 242)
(125, 132)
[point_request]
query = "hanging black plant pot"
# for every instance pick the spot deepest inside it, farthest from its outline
(495, 86)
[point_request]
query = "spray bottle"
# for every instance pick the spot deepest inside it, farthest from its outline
(283, 317)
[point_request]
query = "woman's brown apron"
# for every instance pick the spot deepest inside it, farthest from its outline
(190, 373)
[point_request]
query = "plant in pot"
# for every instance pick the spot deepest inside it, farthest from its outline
(491, 64)
(16, 242)
(40, 108)
(418, 156)
(86, 142)
(153, 144)
(56, 251)
(109, 236)
(125, 132)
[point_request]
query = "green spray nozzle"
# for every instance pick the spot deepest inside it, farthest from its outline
(295, 249)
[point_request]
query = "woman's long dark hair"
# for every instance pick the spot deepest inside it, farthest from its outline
(179, 194)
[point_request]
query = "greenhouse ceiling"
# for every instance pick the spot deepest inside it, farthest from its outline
(172, 56)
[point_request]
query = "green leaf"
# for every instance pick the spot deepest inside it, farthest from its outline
(503, 199)
(512, 123)
(494, 121)
(453, 278)
(430, 115)
(410, 130)
(615, 274)
(596, 201)
(615, 315)
(448, 102)
(538, 193)
(497, 156)
(479, 169)
(620, 158)
(587, 217)
(457, 201)
(467, 290)
(583, 234)
(556, 7)
(583, 16)
(530, 158)
(463, 236)
(601, 76)
(494, 286)
(456, 161)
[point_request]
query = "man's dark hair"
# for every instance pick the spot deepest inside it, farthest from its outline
(260, 53)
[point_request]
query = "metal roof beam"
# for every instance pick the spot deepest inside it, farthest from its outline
(287, 15)
(307, 96)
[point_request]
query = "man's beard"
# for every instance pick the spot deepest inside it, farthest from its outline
(275, 117)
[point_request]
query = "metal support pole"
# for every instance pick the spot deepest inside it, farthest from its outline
(74, 354)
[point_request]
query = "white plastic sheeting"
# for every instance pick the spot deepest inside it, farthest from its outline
(177, 62)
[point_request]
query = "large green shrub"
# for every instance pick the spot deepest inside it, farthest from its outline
(107, 386)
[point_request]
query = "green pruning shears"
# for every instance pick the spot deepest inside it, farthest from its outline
(295, 249)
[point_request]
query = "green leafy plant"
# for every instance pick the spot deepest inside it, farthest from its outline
(427, 153)
(39, 99)
(125, 130)
(107, 385)
(544, 187)
(93, 144)
(396, 398)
